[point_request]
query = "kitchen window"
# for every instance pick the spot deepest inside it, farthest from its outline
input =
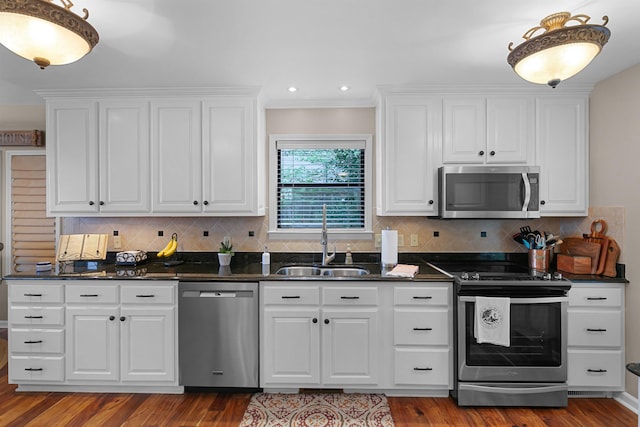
(309, 171)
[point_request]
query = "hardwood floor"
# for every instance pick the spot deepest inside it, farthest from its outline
(226, 410)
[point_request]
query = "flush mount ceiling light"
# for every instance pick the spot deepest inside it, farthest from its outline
(561, 51)
(44, 32)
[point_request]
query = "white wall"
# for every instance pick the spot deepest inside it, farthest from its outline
(615, 174)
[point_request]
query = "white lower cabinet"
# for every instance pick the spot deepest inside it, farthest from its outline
(318, 335)
(596, 337)
(356, 335)
(112, 336)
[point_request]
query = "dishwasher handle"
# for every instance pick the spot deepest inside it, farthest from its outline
(217, 294)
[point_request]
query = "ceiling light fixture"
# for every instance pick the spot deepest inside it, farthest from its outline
(292, 89)
(561, 51)
(344, 88)
(44, 32)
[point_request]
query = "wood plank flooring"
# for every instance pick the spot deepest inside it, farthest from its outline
(226, 410)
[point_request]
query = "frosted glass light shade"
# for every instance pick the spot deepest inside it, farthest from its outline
(45, 33)
(559, 53)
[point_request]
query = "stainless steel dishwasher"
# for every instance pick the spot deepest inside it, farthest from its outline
(218, 327)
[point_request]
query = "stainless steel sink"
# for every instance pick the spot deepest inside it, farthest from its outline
(300, 271)
(345, 272)
(326, 271)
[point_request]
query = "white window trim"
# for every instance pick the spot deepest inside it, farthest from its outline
(308, 234)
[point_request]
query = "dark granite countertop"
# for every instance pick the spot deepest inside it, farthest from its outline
(634, 368)
(246, 266)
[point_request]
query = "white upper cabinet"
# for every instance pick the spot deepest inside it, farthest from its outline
(408, 155)
(232, 175)
(562, 153)
(177, 156)
(124, 156)
(188, 152)
(496, 130)
(97, 157)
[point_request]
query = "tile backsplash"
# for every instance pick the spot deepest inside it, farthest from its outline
(453, 235)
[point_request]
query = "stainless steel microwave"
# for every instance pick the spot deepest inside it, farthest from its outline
(489, 191)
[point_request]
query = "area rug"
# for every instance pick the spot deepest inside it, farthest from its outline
(317, 410)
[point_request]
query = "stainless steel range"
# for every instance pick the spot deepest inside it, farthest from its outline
(525, 363)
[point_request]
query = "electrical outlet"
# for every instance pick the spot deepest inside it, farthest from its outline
(378, 242)
(414, 240)
(400, 239)
(117, 242)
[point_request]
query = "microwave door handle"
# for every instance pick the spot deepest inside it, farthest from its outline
(527, 192)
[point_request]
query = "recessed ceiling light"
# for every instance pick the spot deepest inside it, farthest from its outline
(292, 89)
(344, 88)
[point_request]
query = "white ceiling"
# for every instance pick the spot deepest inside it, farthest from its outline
(315, 45)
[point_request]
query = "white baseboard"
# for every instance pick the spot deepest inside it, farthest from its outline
(627, 400)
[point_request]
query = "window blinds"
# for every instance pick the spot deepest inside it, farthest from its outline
(323, 174)
(32, 232)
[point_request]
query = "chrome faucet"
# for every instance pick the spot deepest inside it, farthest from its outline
(326, 258)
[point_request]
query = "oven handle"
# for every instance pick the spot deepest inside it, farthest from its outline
(542, 300)
(513, 390)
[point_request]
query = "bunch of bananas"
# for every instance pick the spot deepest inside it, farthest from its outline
(171, 247)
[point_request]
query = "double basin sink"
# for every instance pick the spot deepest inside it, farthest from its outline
(322, 271)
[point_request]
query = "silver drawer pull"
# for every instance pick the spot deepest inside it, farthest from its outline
(33, 342)
(349, 297)
(33, 317)
(33, 369)
(145, 296)
(89, 295)
(32, 295)
(423, 329)
(596, 330)
(290, 297)
(423, 369)
(598, 371)
(427, 297)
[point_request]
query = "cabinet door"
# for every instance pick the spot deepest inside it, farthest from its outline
(92, 350)
(291, 347)
(72, 158)
(409, 156)
(350, 346)
(562, 153)
(229, 150)
(148, 343)
(464, 133)
(124, 157)
(510, 130)
(177, 157)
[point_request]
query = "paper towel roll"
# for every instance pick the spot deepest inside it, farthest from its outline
(389, 247)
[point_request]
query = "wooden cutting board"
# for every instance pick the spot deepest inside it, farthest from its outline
(598, 228)
(613, 253)
(580, 247)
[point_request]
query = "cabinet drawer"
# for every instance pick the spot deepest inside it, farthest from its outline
(36, 315)
(421, 327)
(595, 329)
(92, 294)
(37, 340)
(346, 295)
(36, 293)
(426, 367)
(133, 294)
(595, 368)
(291, 295)
(421, 295)
(29, 368)
(595, 297)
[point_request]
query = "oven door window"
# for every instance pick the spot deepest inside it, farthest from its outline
(485, 192)
(535, 332)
